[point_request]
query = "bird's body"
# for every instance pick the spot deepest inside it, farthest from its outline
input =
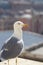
(14, 45)
(11, 49)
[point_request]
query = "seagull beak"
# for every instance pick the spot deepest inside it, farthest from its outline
(25, 26)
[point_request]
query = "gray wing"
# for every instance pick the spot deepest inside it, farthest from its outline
(13, 47)
(12, 41)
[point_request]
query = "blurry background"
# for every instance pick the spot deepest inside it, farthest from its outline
(28, 11)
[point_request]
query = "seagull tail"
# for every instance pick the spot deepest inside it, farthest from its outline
(0, 55)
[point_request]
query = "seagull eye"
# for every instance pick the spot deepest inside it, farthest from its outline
(19, 23)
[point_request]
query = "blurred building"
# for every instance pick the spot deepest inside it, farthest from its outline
(27, 18)
(38, 22)
(10, 11)
(28, 11)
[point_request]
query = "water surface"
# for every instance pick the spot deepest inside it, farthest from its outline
(29, 39)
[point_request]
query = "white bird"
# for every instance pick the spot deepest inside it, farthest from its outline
(14, 45)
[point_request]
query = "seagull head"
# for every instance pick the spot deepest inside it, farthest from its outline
(18, 25)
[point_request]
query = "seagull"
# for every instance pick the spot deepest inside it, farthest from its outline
(14, 45)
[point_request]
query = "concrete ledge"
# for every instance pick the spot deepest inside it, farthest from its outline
(21, 61)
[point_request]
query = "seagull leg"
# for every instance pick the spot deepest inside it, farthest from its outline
(16, 61)
(8, 61)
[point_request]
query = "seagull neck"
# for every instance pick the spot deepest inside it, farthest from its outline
(18, 33)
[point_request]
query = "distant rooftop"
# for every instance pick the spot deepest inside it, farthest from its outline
(26, 16)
